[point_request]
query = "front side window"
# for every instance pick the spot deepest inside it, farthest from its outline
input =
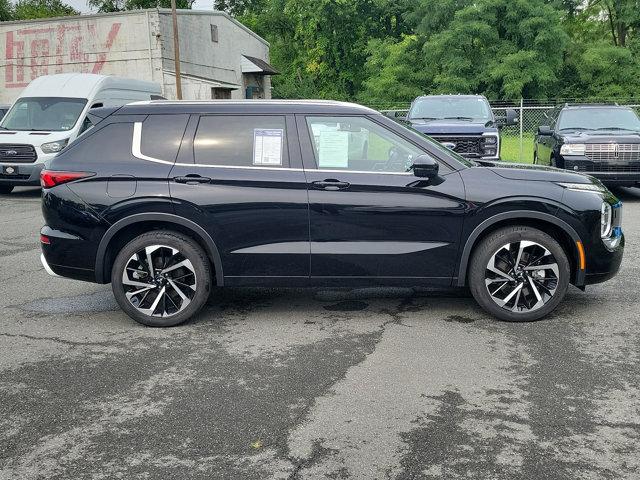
(54, 114)
(359, 144)
(599, 119)
(242, 141)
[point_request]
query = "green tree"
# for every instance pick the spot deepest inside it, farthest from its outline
(395, 71)
(6, 10)
(504, 48)
(29, 9)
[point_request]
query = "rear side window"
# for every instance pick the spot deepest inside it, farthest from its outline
(162, 135)
(242, 141)
(110, 144)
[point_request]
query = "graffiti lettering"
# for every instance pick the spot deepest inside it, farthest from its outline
(75, 44)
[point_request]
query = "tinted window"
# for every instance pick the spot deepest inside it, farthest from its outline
(107, 145)
(162, 135)
(245, 141)
(357, 143)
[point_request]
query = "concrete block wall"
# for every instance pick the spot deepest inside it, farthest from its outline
(136, 44)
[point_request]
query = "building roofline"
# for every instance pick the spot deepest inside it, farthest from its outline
(164, 11)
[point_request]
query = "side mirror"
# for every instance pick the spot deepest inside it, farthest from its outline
(511, 117)
(425, 166)
(544, 130)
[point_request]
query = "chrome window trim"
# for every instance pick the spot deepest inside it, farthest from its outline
(136, 151)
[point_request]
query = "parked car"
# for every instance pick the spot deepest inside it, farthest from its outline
(50, 113)
(600, 140)
(167, 199)
(463, 123)
(3, 110)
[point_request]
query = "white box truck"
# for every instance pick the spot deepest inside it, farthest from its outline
(50, 113)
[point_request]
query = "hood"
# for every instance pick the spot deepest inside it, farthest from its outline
(522, 171)
(32, 138)
(601, 136)
(434, 127)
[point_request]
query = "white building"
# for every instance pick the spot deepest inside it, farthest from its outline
(219, 57)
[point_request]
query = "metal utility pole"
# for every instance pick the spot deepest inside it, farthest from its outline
(176, 50)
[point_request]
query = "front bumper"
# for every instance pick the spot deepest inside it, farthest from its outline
(607, 172)
(605, 255)
(23, 174)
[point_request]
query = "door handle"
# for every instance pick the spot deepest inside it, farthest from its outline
(192, 179)
(330, 184)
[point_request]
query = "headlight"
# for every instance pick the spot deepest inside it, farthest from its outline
(490, 140)
(54, 147)
(582, 187)
(572, 149)
(605, 220)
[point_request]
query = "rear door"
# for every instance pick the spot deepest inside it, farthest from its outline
(240, 177)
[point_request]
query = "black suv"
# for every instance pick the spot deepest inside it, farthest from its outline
(601, 140)
(463, 123)
(167, 199)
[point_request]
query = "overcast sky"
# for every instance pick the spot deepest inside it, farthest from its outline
(81, 5)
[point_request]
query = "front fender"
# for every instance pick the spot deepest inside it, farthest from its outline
(485, 225)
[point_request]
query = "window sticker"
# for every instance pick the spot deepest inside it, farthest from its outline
(267, 146)
(333, 149)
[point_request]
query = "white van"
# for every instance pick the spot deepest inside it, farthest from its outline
(50, 113)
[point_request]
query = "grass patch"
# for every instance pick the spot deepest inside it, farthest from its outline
(510, 149)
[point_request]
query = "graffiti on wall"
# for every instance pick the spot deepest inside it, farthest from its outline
(32, 52)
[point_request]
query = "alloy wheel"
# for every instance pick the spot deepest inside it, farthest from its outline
(522, 276)
(159, 281)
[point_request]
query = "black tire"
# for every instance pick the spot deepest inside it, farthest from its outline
(189, 250)
(490, 246)
(6, 189)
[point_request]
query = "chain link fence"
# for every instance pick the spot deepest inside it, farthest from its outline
(517, 140)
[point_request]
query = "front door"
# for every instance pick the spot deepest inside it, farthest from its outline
(241, 180)
(371, 220)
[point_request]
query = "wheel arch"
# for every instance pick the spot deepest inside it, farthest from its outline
(128, 228)
(564, 233)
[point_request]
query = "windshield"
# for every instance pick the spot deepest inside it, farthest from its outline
(44, 113)
(462, 108)
(599, 119)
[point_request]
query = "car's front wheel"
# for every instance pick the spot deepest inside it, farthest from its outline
(161, 278)
(519, 274)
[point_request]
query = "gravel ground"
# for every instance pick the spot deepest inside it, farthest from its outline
(306, 384)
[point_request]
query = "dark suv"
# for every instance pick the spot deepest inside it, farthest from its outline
(601, 140)
(167, 199)
(463, 123)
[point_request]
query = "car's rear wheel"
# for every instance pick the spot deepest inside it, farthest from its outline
(6, 189)
(519, 274)
(161, 278)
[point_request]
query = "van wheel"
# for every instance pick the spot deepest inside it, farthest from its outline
(519, 274)
(161, 278)
(6, 189)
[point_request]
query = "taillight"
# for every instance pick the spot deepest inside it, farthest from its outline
(50, 178)
(45, 240)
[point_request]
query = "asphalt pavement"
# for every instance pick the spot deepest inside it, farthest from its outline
(310, 384)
